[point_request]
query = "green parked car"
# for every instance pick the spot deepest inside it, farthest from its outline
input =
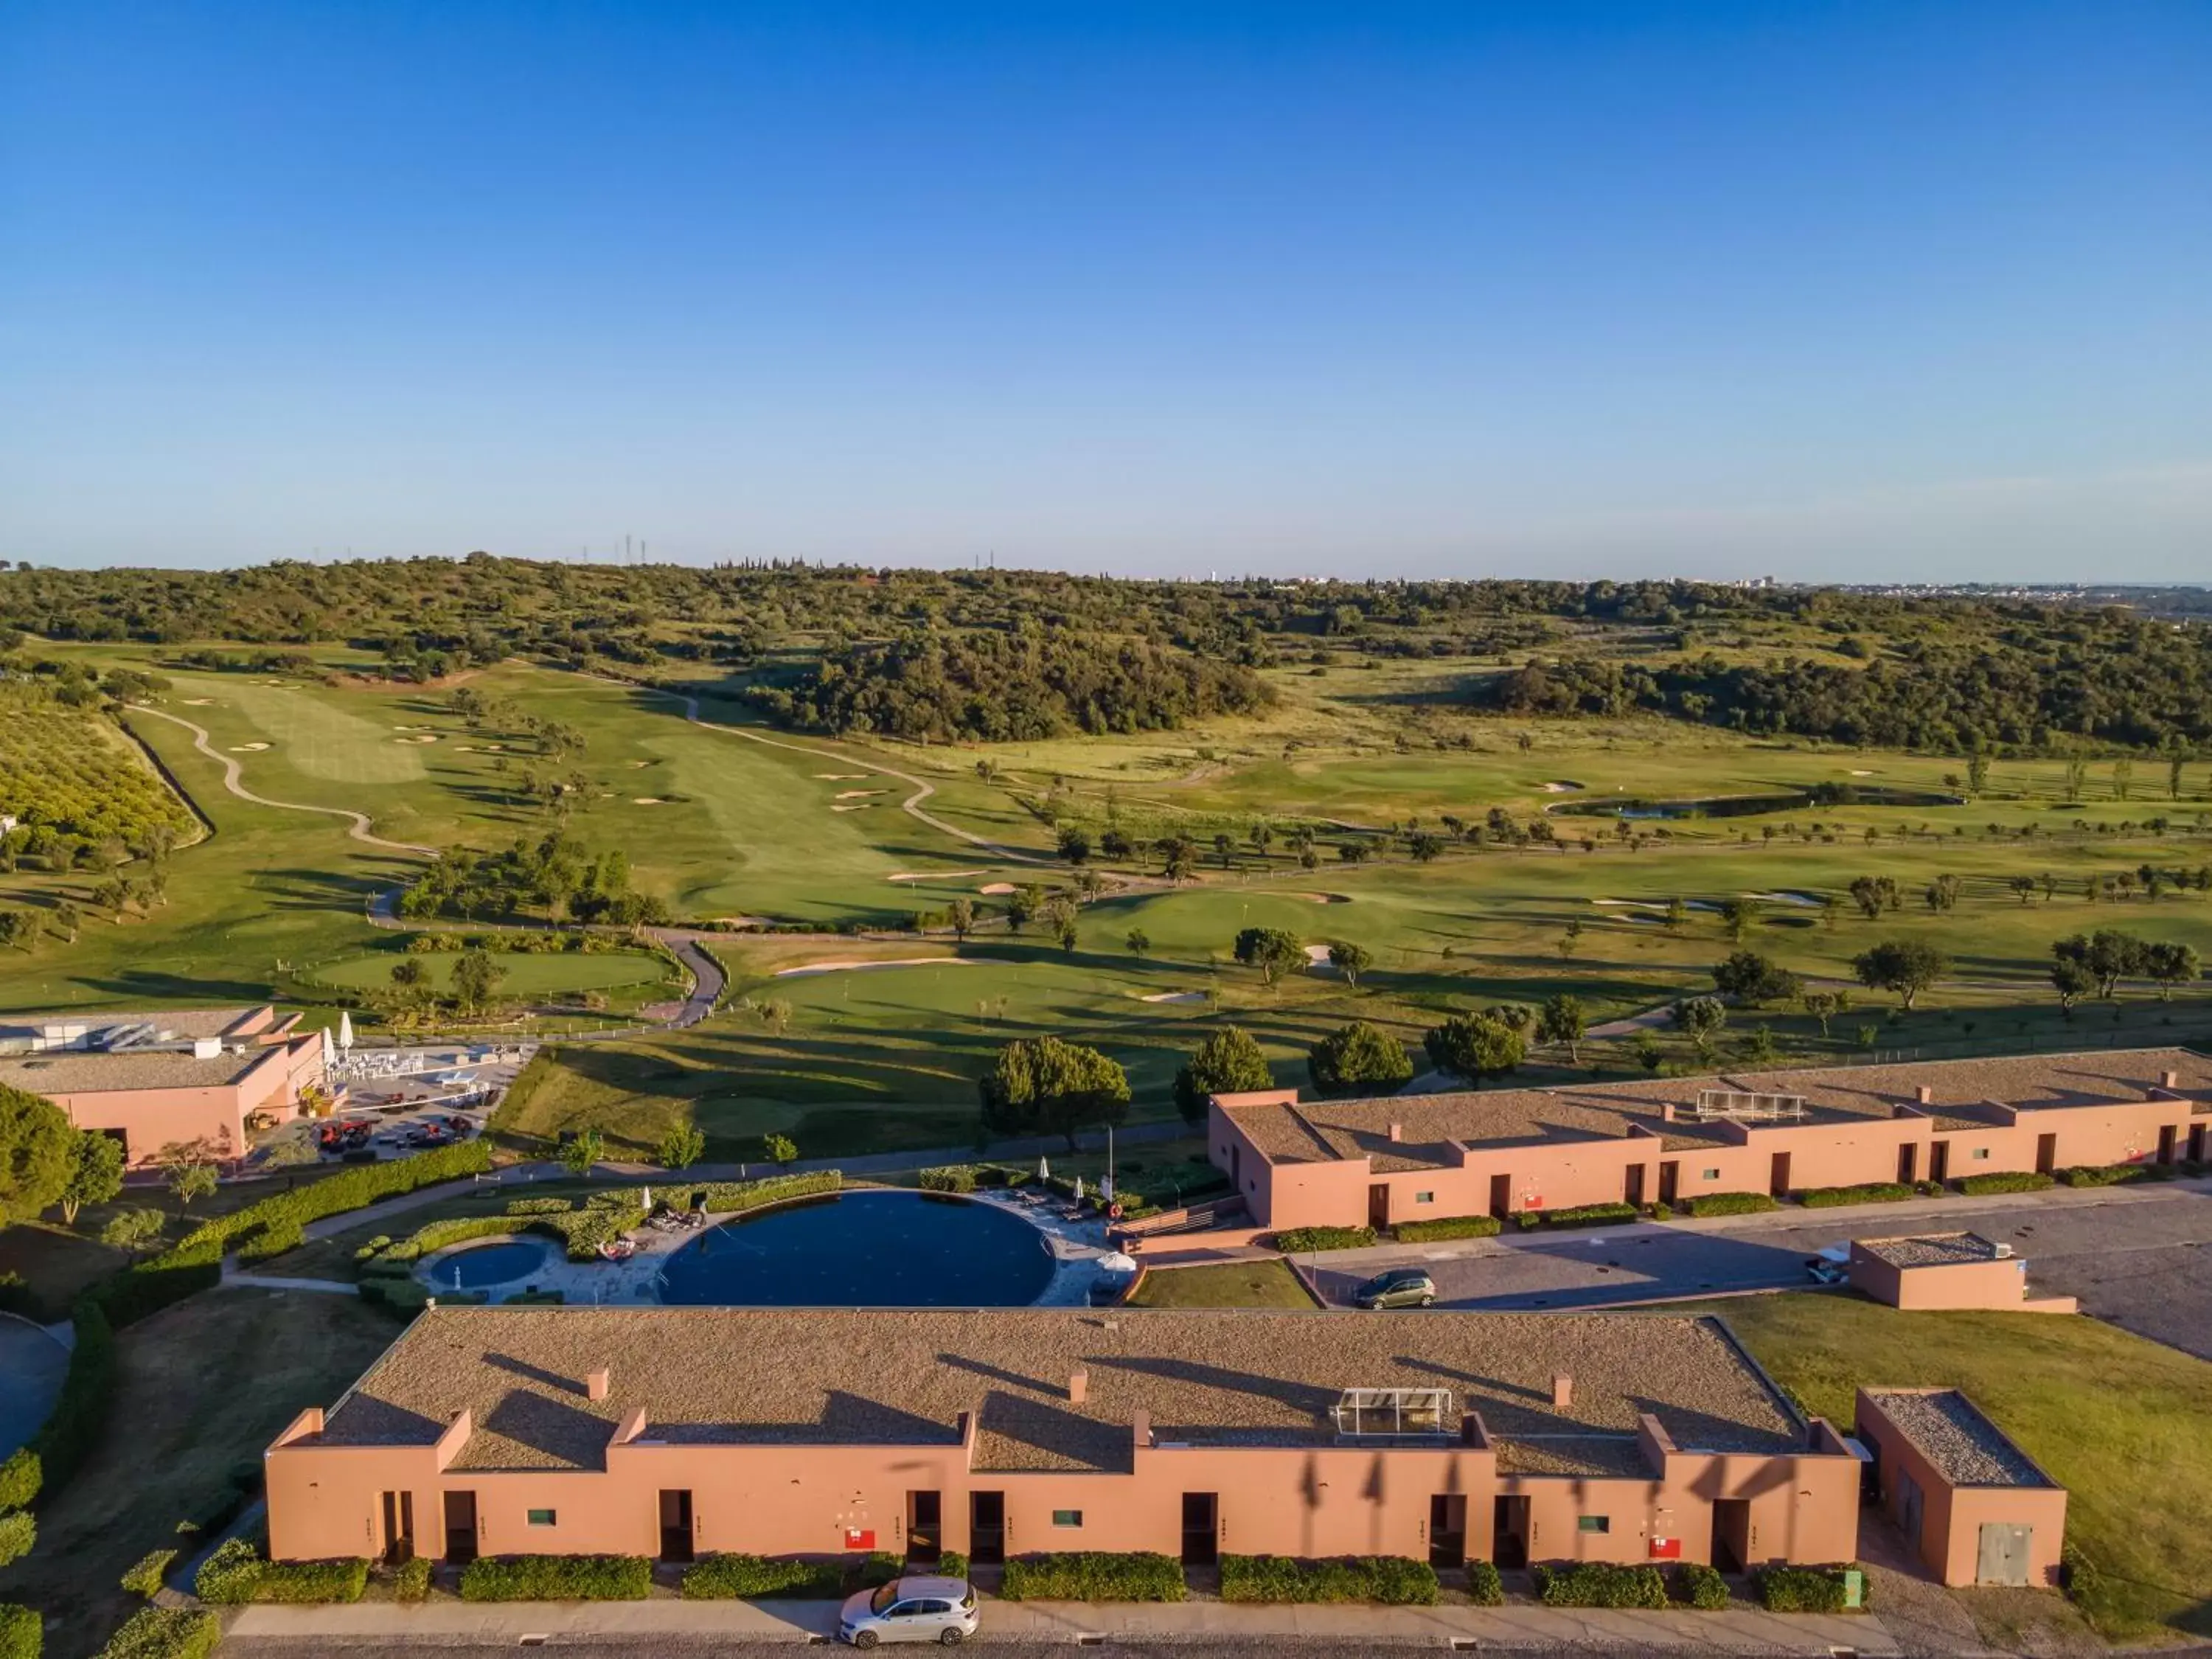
(1401, 1287)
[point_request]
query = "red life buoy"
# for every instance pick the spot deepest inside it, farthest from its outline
(1114, 1212)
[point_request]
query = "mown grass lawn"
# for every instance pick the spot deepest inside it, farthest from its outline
(2116, 1419)
(1223, 1285)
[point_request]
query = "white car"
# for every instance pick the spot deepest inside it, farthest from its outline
(911, 1609)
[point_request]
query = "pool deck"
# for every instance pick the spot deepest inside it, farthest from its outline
(1076, 1246)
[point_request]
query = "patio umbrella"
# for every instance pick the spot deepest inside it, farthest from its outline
(1114, 1262)
(1044, 1170)
(1078, 1189)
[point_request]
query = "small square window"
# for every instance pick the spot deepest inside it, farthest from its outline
(1709, 1175)
(1593, 1523)
(539, 1517)
(1979, 1153)
(1067, 1517)
(1425, 1198)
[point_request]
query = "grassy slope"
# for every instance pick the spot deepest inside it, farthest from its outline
(1230, 1285)
(2115, 1418)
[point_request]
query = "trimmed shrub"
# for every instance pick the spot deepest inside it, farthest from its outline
(2004, 1181)
(2077, 1574)
(18, 1533)
(949, 1178)
(1872, 1192)
(557, 1578)
(540, 1206)
(149, 1573)
(1707, 1204)
(1806, 1590)
(1094, 1576)
(73, 1425)
(1585, 1215)
(1299, 1240)
(952, 1564)
(165, 1633)
(1448, 1226)
(341, 1578)
(732, 1577)
(879, 1567)
(1390, 1579)
(1486, 1586)
(410, 1579)
(1598, 1584)
(22, 1632)
(21, 1477)
(1695, 1584)
(535, 1299)
(228, 1577)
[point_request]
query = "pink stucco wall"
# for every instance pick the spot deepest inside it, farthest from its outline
(151, 1118)
(1953, 1517)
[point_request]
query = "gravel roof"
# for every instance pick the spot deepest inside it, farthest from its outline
(1322, 1131)
(1966, 1448)
(1930, 1249)
(79, 1074)
(172, 1024)
(721, 1375)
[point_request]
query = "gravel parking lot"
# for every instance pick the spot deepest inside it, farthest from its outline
(2139, 1260)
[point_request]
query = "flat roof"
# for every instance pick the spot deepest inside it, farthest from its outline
(1930, 1249)
(802, 1377)
(1323, 1131)
(1948, 1429)
(174, 1024)
(75, 1071)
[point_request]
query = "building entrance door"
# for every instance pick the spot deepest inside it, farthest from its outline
(398, 1527)
(1509, 1545)
(925, 1526)
(1670, 1181)
(1908, 1164)
(676, 1526)
(2047, 1154)
(1778, 1184)
(1378, 1204)
(2165, 1138)
(1501, 1195)
(1631, 1191)
(2005, 1552)
(1732, 1534)
(1447, 1532)
(460, 1528)
(987, 1527)
(1201, 1530)
(1939, 1162)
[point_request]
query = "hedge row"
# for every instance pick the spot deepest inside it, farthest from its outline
(1392, 1580)
(1807, 1589)
(1449, 1226)
(1486, 1586)
(949, 1178)
(165, 1633)
(73, 1427)
(540, 1206)
(1299, 1241)
(148, 1572)
(1693, 1583)
(1094, 1576)
(730, 1577)
(2003, 1181)
(1872, 1192)
(237, 1573)
(1579, 1215)
(22, 1632)
(557, 1578)
(1598, 1584)
(410, 1579)
(1730, 1204)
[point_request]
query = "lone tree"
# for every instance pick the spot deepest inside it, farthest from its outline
(1825, 1005)
(2168, 965)
(475, 975)
(1700, 1019)
(581, 1151)
(2072, 981)
(1270, 950)
(1349, 959)
(1754, 979)
(1735, 917)
(1074, 844)
(1041, 1085)
(961, 913)
(95, 1172)
(188, 1169)
(1358, 1056)
(1907, 966)
(1475, 1046)
(1229, 1062)
(132, 1231)
(1561, 1021)
(682, 1146)
(1139, 942)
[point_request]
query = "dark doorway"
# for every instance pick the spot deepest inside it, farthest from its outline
(1378, 1204)
(676, 1526)
(2166, 1137)
(2047, 1154)
(1670, 1181)
(1509, 1545)
(1908, 1164)
(460, 1528)
(1632, 1190)
(1939, 1162)
(398, 1527)
(1501, 1195)
(986, 1529)
(1778, 1184)
(2197, 1143)
(925, 1526)
(1912, 1508)
(1447, 1532)
(1732, 1534)
(1202, 1533)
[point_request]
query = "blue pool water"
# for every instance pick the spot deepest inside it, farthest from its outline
(866, 1250)
(485, 1264)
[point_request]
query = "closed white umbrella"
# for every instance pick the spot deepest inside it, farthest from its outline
(346, 1031)
(1044, 1170)
(1078, 1189)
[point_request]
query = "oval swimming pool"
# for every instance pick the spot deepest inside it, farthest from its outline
(479, 1266)
(865, 1249)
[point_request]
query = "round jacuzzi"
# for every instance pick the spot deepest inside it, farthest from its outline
(495, 1263)
(866, 1249)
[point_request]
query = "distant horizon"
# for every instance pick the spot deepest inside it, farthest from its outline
(1555, 286)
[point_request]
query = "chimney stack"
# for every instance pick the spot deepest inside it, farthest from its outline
(1927, 1093)
(598, 1383)
(1563, 1391)
(1079, 1387)
(1397, 1131)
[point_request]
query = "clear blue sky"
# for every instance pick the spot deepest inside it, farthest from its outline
(1845, 291)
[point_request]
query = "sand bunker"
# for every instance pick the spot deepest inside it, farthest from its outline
(1175, 996)
(1788, 896)
(932, 875)
(646, 800)
(1861, 771)
(1324, 898)
(418, 737)
(198, 702)
(853, 806)
(863, 967)
(849, 794)
(839, 777)
(247, 748)
(996, 889)
(1561, 786)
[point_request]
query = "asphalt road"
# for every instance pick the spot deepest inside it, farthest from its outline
(2142, 1262)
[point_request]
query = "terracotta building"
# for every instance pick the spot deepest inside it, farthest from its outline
(1408, 1158)
(1973, 1506)
(156, 1079)
(1947, 1271)
(675, 1431)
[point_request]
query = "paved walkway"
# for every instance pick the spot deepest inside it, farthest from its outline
(454, 1623)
